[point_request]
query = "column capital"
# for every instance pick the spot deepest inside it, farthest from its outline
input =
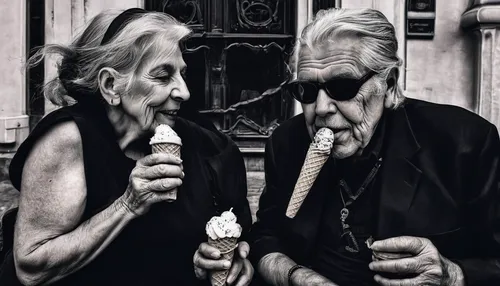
(481, 13)
(475, 3)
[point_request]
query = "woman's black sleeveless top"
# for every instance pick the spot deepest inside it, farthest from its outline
(157, 248)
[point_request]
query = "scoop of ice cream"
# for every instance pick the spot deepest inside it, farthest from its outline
(223, 226)
(323, 140)
(165, 134)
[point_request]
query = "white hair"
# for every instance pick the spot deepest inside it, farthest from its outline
(124, 52)
(378, 49)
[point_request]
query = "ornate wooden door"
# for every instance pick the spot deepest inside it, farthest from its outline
(236, 58)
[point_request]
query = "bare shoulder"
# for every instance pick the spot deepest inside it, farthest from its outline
(63, 140)
(53, 188)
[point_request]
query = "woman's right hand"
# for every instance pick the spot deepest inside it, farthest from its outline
(152, 180)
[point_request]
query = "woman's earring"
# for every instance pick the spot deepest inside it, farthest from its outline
(111, 101)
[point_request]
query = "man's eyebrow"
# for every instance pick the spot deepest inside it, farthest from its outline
(349, 73)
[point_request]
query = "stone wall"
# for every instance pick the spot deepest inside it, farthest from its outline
(442, 69)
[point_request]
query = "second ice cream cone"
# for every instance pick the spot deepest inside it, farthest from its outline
(315, 159)
(226, 246)
(223, 232)
(318, 153)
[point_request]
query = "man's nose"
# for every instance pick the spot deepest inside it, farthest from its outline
(181, 91)
(325, 104)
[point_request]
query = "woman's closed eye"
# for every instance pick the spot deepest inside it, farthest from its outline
(162, 73)
(164, 78)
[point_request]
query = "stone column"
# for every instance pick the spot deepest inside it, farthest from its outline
(13, 118)
(482, 19)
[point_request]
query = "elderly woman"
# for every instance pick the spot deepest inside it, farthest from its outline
(94, 203)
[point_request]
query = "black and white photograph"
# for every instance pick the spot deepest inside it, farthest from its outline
(250, 142)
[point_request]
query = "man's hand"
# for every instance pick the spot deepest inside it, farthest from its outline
(426, 264)
(308, 277)
(207, 258)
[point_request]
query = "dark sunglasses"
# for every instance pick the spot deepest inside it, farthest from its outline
(340, 89)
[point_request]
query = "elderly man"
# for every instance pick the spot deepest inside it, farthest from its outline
(418, 179)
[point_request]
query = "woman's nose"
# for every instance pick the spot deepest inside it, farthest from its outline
(181, 91)
(325, 104)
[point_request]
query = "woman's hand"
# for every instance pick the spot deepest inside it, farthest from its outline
(152, 180)
(207, 258)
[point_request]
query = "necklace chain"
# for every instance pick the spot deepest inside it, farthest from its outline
(344, 212)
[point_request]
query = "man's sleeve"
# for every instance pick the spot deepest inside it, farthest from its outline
(264, 236)
(483, 207)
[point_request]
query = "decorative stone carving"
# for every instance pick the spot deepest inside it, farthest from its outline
(189, 12)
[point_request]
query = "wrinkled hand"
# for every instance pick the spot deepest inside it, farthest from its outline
(207, 258)
(308, 277)
(426, 264)
(152, 180)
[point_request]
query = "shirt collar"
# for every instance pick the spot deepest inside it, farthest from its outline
(374, 148)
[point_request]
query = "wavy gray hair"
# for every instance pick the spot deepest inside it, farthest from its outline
(379, 47)
(81, 61)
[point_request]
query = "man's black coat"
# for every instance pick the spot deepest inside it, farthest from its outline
(439, 180)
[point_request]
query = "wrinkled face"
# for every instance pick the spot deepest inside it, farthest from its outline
(353, 121)
(157, 89)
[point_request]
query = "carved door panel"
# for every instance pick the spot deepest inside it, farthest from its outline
(236, 59)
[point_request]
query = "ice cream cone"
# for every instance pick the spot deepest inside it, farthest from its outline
(226, 246)
(223, 232)
(165, 140)
(315, 159)
(169, 148)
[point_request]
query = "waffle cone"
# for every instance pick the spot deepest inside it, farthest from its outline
(169, 148)
(315, 160)
(226, 247)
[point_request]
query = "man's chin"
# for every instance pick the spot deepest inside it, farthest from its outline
(341, 153)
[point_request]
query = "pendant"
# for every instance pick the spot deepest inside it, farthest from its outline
(352, 244)
(344, 213)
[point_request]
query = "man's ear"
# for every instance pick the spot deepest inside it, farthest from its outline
(392, 85)
(107, 85)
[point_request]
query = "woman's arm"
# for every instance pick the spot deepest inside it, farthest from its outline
(50, 242)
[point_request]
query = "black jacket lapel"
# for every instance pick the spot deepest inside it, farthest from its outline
(400, 176)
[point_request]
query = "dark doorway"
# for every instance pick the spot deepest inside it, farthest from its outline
(35, 37)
